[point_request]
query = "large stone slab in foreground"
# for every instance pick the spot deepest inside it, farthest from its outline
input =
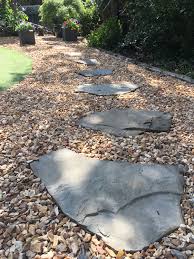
(107, 89)
(96, 72)
(127, 122)
(129, 206)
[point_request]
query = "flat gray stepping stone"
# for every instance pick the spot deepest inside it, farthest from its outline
(85, 61)
(127, 122)
(128, 205)
(107, 89)
(96, 72)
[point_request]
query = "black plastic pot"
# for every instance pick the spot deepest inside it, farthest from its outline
(69, 35)
(27, 37)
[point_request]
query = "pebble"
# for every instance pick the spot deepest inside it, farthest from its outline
(36, 246)
(178, 254)
(110, 252)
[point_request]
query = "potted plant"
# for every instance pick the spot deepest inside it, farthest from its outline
(26, 33)
(70, 30)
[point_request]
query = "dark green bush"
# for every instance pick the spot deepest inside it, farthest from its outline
(89, 19)
(10, 16)
(165, 26)
(107, 36)
(54, 12)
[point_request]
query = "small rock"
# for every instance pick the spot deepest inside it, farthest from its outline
(190, 247)
(175, 242)
(95, 240)
(36, 246)
(110, 252)
(100, 250)
(87, 238)
(4, 122)
(178, 254)
(42, 209)
(49, 255)
(120, 254)
(93, 248)
(74, 248)
(82, 254)
(55, 241)
(32, 229)
(30, 254)
(62, 247)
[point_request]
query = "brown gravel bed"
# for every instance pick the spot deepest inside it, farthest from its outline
(39, 115)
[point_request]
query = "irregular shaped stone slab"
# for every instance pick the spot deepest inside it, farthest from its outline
(85, 61)
(96, 72)
(107, 89)
(127, 122)
(129, 206)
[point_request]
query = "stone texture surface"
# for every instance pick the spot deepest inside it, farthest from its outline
(129, 206)
(127, 122)
(87, 61)
(107, 89)
(96, 72)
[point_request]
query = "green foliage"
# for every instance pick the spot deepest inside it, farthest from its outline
(107, 36)
(24, 26)
(154, 25)
(10, 15)
(51, 12)
(55, 12)
(72, 24)
(89, 18)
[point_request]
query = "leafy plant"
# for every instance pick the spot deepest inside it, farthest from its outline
(160, 26)
(54, 12)
(72, 24)
(10, 16)
(107, 36)
(90, 18)
(24, 26)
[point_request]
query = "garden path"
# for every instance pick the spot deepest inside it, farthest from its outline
(39, 115)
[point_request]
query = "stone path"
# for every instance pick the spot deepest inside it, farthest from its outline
(127, 122)
(128, 205)
(107, 89)
(96, 72)
(85, 61)
(39, 115)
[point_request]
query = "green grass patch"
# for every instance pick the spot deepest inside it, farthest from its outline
(14, 66)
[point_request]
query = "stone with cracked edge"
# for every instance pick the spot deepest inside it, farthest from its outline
(127, 122)
(128, 205)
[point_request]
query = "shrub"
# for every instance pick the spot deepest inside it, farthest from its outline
(89, 19)
(72, 24)
(51, 12)
(165, 26)
(107, 36)
(24, 26)
(55, 12)
(10, 16)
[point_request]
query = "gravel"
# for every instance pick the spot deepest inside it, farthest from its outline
(39, 115)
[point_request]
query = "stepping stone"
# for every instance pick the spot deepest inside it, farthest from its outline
(107, 89)
(85, 61)
(127, 122)
(128, 205)
(96, 72)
